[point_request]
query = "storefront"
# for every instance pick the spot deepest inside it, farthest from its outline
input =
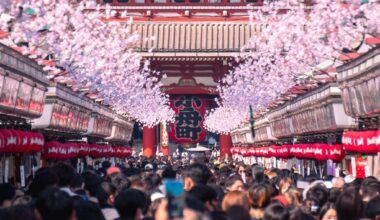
(22, 95)
(359, 80)
(298, 134)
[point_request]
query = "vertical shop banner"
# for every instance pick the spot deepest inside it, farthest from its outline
(164, 139)
(188, 125)
(359, 167)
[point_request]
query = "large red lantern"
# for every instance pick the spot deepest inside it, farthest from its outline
(370, 142)
(321, 151)
(308, 150)
(336, 152)
(52, 150)
(349, 141)
(244, 152)
(272, 151)
(188, 126)
(10, 140)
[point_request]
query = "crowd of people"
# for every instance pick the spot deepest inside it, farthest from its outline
(211, 191)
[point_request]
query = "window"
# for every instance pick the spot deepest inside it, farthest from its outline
(122, 1)
(139, 1)
(195, 1)
(234, 1)
(159, 1)
(178, 1)
(107, 1)
(215, 1)
(251, 1)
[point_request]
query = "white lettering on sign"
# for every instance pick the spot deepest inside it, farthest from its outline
(347, 140)
(335, 152)
(37, 141)
(11, 140)
(318, 151)
(371, 141)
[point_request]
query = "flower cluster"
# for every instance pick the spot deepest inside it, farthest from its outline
(294, 38)
(97, 52)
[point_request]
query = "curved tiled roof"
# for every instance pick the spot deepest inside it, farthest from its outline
(194, 36)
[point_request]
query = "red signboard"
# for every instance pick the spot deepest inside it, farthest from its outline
(365, 142)
(188, 125)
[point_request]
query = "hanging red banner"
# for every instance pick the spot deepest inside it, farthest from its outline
(188, 125)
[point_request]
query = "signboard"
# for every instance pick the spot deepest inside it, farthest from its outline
(188, 125)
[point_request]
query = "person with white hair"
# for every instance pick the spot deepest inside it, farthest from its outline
(337, 182)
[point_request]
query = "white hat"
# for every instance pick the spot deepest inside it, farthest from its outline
(156, 195)
(148, 167)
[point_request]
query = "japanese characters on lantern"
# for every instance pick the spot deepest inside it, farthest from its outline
(188, 125)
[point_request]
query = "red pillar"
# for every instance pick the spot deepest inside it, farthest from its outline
(225, 142)
(149, 141)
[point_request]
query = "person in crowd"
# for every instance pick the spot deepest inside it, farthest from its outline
(233, 183)
(349, 205)
(7, 194)
(235, 198)
(276, 212)
(43, 178)
(334, 194)
(22, 212)
(337, 182)
(369, 189)
(316, 197)
(86, 210)
(373, 209)
(130, 204)
(106, 194)
(258, 175)
(151, 182)
(284, 185)
(65, 174)
(196, 174)
(240, 169)
(328, 212)
(294, 196)
(120, 181)
(54, 204)
(207, 195)
(237, 212)
(91, 184)
(259, 197)
(77, 185)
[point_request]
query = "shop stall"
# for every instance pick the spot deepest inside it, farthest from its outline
(22, 96)
(318, 111)
(121, 130)
(64, 111)
(359, 80)
(100, 122)
(19, 154)
(22, 85)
